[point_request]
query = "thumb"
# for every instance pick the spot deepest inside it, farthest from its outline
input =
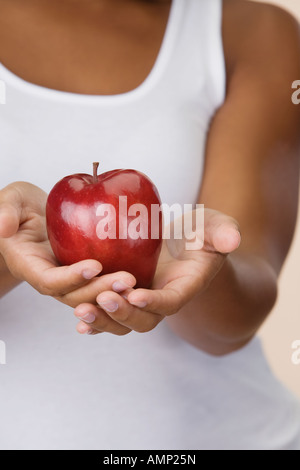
(10, 210)
(9, 219)
(221, 232)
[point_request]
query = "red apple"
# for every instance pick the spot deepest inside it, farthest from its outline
(96, 217)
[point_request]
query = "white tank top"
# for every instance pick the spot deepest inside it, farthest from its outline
(60, 390)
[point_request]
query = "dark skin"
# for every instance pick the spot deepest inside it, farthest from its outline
(89, 47)
(215, 298)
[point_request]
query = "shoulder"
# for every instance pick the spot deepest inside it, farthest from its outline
(250, 10)
(248, 16)
(262, 35)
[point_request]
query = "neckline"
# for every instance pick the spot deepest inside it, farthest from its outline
(148, 83)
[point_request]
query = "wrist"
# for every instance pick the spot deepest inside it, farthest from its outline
(230, 310)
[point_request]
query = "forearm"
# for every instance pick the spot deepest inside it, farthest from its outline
(7, 281)
(230, 311)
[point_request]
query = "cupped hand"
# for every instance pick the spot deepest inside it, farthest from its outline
(185, 270)
(26, 250)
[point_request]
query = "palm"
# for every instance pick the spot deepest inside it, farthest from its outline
(189, 272)
(179, 273)
(30, 243)
(27, 253)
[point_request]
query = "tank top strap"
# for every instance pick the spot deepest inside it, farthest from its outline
(194, 50)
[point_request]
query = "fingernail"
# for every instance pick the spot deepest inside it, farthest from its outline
(88, 318)
(141, 304)
(90, 273)
(119, 286)
(110, 306)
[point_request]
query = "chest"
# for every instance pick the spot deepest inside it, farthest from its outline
(106, 47)
(159, 128)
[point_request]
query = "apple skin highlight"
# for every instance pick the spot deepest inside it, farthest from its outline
(74, 214)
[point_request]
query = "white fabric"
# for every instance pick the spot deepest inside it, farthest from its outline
(60, 390)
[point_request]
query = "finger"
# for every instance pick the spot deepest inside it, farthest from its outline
(88, 293)
(84, 329)
(221, 232)
(93, 319)
(123, 286)
(58, 281)
(124, 293)
(126, 314)
(164, 302)
(175, 294)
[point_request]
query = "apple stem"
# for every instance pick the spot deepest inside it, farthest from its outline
(95, 171)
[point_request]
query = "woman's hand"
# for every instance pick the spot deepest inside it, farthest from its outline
(181, 275)
(28, 256)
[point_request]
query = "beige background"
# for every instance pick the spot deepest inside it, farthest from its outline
(283, 326)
